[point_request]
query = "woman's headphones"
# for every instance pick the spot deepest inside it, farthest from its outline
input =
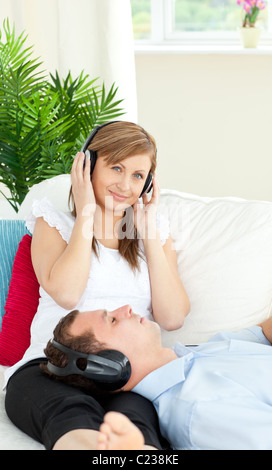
(109, 369)
(93, 157)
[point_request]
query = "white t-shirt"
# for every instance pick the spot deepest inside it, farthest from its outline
(111, 282)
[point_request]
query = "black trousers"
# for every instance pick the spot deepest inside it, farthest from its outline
(46, 409)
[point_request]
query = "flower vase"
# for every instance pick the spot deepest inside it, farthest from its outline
(250, 36)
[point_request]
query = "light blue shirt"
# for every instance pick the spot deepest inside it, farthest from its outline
(217, 395)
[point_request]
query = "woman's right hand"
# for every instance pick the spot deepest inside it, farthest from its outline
(82, 186)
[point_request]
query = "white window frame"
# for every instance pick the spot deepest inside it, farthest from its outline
(163, 36)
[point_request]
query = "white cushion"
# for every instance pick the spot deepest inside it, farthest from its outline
(56, 189)
(6, 210)
(224, 248)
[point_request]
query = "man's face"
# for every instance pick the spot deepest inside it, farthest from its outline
(120, 329)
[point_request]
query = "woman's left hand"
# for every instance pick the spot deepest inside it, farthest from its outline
(145, 216)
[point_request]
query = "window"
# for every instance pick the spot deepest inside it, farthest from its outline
(141, 17)
(194, 22)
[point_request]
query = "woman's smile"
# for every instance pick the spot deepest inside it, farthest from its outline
(117, 196)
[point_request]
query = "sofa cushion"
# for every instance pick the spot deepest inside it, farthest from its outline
(56, 189)
(11, 232)
(224, 248)
(21, 306)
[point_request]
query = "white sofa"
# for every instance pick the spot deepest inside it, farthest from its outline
(224, 248)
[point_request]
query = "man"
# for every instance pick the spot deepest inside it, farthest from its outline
(213, 396)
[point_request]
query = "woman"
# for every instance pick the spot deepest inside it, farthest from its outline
(108, 251)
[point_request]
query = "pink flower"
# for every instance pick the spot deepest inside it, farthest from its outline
(260, 4)
(247, 7)
(252, 9)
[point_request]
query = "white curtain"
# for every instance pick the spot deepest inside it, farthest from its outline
(91, 35)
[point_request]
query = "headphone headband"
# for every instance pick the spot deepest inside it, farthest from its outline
(93, 133)
(110, 369)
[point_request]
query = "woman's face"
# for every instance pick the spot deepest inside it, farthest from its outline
(119, 185)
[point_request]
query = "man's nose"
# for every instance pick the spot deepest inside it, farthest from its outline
(125, 311)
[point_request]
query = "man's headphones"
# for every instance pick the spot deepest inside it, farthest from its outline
(93, 157)
(109, 369)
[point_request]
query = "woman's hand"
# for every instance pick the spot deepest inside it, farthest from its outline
(82, 186)
(145, 217)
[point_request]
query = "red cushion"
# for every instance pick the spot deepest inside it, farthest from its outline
(21, 306)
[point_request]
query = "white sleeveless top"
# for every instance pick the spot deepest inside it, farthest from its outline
(111, 282)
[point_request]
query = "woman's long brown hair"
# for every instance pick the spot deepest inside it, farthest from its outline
(116, 142)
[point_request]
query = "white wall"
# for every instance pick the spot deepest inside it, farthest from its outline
(212, 118)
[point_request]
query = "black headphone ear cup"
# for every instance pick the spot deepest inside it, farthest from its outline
(93, 158)
(124, 370)
(148, 185)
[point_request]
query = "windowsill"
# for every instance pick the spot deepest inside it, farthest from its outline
(201, 49)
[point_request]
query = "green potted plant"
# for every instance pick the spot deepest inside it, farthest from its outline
(250, 34)
(43, 119)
